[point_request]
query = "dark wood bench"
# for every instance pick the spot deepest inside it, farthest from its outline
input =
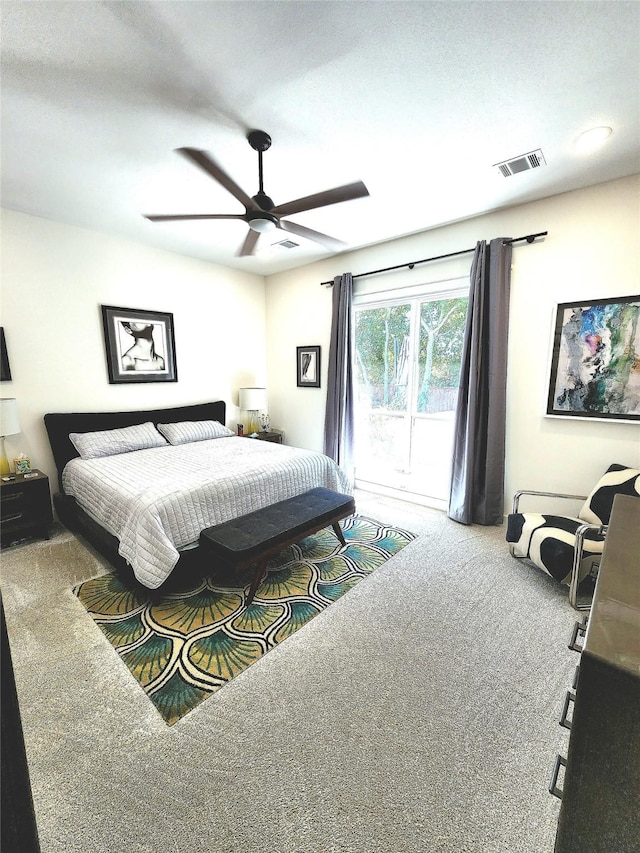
(253, 538)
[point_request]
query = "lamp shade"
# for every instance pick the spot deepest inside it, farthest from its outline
(253, 399)
(9, 420)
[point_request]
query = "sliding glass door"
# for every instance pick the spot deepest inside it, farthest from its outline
(408, 355)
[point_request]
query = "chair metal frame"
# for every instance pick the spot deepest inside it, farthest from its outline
(581, 532)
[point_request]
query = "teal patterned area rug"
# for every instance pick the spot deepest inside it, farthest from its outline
(185, 646)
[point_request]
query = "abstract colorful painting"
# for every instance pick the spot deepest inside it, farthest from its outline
(595, 364)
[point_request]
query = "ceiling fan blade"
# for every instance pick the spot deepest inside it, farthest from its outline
(310, 234)
(204, 160)
(249, 244)
(345, 193)
(168, 217)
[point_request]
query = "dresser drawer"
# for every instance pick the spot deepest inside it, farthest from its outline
(20, 507)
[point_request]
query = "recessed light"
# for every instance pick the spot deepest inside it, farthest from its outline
(593, 138)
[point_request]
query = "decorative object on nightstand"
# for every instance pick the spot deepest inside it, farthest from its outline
(22, 464)
(25, 507)
(9, 425)
(252, 401)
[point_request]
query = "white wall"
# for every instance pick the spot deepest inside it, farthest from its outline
(55, 278)
(592, 251)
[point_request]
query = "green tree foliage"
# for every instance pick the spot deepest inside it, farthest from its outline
(382, 336)
(382, 353)
(442, 326)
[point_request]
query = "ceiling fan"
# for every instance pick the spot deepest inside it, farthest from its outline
(261, 214)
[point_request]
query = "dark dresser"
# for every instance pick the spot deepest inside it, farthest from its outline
(600, 788)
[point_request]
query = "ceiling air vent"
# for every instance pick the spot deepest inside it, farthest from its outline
(287, 244)
(522, 163)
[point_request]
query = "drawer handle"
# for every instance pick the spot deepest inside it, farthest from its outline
(576, 676)
(12, 496)
(14, 517)
(570, 697)
(553, 784)
(578, 628)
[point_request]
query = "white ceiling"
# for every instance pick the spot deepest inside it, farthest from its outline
(417, 99)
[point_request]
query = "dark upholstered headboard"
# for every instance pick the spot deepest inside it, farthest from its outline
(60, 424)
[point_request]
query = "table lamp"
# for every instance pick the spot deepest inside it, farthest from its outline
(252, 401)
(9, 425)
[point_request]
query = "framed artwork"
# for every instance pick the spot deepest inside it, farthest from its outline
(595, 360)
(5, 369)
(139, 345)
(308, 362)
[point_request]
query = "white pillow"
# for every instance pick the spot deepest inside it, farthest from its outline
(109, 442)
(186, 431)
(617, 479)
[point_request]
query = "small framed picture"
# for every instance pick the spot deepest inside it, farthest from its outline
(5, 369)
(139, 345)
(308, 361)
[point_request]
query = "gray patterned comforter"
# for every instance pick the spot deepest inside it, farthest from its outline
(157, 501)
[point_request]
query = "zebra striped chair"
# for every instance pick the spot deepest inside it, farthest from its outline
(567, 547)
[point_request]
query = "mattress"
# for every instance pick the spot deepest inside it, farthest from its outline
(157, 501)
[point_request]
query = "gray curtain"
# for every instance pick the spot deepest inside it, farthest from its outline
(477, 480)
(338, 422)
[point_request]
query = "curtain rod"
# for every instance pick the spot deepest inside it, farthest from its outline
(530, 238)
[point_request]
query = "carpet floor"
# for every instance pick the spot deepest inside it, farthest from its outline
(189, 643)
(416, 714)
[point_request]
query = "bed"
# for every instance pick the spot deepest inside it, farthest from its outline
(174, 472)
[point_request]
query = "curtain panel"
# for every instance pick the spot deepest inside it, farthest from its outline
(338, 424)
(477, 479)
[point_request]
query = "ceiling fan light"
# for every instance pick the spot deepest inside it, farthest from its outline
(593, 138)
(262, 226)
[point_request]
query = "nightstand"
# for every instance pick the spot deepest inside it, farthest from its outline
(25, 507)
(275, 435)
